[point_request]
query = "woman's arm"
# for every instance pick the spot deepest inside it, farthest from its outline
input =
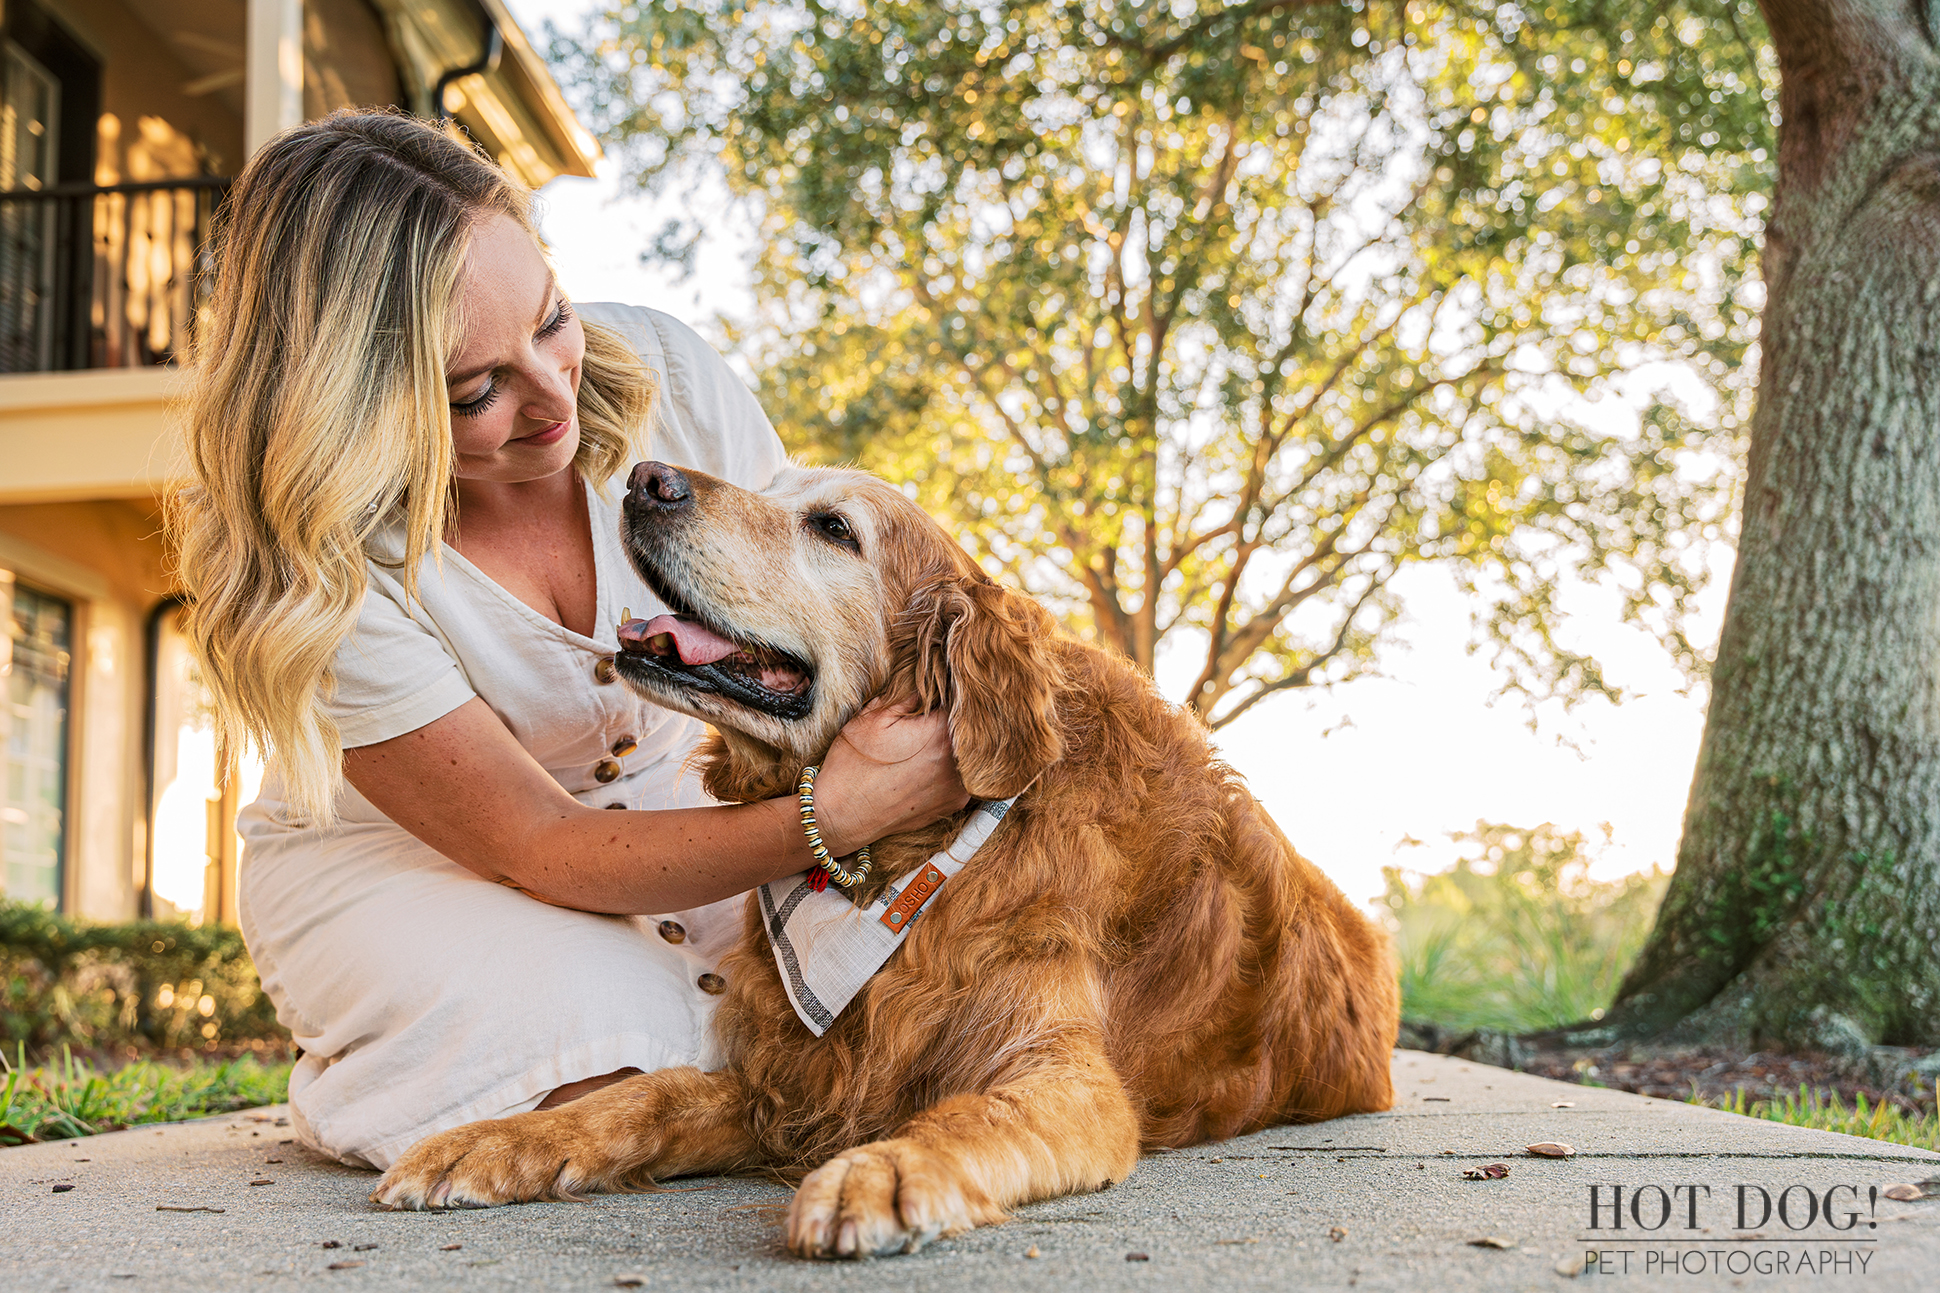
(465, 786)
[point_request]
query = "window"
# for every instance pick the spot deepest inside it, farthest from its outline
(192, 824)
(34, 670)
(30, 100)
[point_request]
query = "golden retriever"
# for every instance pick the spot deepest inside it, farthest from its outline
(1137, 958)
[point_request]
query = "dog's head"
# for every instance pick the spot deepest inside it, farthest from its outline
(792, 607)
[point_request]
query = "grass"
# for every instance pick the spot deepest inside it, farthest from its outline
(1881, 1121)
(74, 1098)
(1516, 935)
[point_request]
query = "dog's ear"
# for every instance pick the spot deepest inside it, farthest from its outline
(988, 656)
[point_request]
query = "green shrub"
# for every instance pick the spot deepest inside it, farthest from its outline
(1516, 936)
(147, 985)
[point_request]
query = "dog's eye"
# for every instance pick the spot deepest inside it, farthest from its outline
(836, 529)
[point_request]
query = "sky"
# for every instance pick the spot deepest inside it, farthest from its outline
(1375, 773)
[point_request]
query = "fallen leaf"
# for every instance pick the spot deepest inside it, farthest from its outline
(1248, 1240)
(1551, 1149)
(343, 1266)
(267, 1160)
(1486, 1172)
(629, 1281)
(1564, 1104)
(1032, 1251)
(12, 1135)
(1436, 1099)
(450, 1248)
(1903, 1193)
(169, 1207)
(262, 1180)
(330, 1243)
(363, 1248)
(1492, 1241)
(1138, 1257)
(1337, 1233)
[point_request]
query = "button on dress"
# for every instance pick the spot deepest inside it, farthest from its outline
(424, 996)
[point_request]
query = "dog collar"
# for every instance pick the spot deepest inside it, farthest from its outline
(826, 947)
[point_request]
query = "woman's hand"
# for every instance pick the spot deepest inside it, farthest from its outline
(889, 770)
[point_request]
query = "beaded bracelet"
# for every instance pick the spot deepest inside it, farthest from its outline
(826, 867)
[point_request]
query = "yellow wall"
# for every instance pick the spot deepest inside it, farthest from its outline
(102, 433)
(150, 129)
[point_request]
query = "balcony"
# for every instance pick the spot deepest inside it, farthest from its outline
(95, 277)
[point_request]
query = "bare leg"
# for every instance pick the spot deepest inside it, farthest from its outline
(585, 1086)
(959, 1164)
(671, 1123)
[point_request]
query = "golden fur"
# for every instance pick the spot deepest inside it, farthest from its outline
(1136, 959)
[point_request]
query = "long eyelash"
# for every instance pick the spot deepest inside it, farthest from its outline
(559, 317)
(473, 407)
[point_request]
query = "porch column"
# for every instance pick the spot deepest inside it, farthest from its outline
(273, 71)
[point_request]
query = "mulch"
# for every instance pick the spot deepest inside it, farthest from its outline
(1713, 1074)
(1716, 1075)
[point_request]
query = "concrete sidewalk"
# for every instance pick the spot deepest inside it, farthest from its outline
(1374, 1202)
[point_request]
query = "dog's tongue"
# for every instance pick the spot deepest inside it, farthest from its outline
(694, 643)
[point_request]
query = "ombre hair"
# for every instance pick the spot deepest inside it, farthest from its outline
(317, 412)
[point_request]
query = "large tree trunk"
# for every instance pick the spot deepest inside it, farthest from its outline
(1806, 905)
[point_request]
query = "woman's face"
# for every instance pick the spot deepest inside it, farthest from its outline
(514, 381)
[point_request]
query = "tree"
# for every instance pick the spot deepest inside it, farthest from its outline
(1805, 908)
(1202, 322)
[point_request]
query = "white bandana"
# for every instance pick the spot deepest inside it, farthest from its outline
(827, 947)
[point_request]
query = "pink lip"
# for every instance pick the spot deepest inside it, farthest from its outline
(551, 435)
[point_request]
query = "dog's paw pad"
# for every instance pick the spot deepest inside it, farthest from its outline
(890, 1197)
(510, 1160)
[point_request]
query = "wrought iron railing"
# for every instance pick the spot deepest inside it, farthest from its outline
(110, 276)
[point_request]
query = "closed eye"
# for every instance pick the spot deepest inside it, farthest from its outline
(835, 528)
(472, 407)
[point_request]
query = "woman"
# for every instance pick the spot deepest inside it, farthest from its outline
(404, 571)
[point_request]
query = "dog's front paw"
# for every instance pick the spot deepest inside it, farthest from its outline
(519, 1159)
(893, 1196)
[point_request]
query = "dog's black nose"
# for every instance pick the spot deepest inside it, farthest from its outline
(659, 486)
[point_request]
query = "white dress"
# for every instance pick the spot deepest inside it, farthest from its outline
(423, 996)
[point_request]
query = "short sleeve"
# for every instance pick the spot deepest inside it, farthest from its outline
(707, 419)
(392, 675)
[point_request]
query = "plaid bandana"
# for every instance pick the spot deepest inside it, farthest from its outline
(827, 947)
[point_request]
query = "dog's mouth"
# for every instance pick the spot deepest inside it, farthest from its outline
(684, 651)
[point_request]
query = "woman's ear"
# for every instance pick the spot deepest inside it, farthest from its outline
(989, 657)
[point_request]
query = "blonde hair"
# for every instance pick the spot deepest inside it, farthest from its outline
(317, 409)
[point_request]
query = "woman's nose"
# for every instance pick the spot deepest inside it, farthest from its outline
(554, 400)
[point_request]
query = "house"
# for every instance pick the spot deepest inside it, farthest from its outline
(121, 123)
